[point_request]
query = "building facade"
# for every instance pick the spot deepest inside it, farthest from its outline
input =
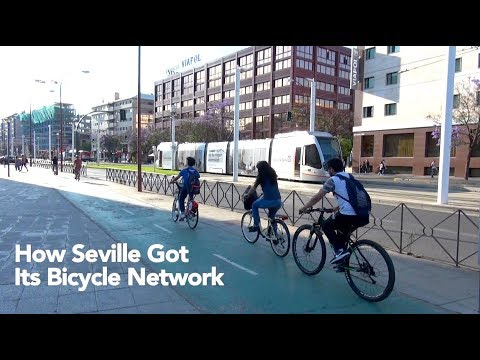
(402, 91)
(273, 80)
(38, 122)
(120, 119)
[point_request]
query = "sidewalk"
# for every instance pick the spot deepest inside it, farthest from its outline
(445, 287)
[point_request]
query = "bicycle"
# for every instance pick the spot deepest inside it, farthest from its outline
(276, 232)
(191, 212)
(358, 269)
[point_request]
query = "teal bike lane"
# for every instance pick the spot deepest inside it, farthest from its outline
(256, 281)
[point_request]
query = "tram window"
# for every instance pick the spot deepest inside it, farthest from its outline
(312, 158)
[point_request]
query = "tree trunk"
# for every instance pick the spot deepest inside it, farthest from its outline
(467, 163)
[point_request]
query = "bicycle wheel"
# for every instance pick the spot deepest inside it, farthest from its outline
(369, 271)
(192, 217)
(281, 240)
(309, 251)
(175, 210)
(247, 220)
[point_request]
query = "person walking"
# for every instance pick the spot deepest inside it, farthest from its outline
(24, 162)
(55, 165)
(433, 168)
(77, 167)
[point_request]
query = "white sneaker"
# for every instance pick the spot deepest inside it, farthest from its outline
(182, 217)
(339, 255)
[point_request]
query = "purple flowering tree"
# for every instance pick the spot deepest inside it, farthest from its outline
(215, 125)
(149, 136)
(465, 117)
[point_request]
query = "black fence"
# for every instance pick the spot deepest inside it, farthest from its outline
(453, 239)
(67, 166)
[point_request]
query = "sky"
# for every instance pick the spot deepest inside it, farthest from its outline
(111, 69)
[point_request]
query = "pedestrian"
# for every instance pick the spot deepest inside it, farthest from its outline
(24, 162)
(368, 167)
(433, 168)
(55, 165)
(382, 168)
(77, 166)
(18, 164)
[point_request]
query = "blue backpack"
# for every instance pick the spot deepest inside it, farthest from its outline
(357, 195)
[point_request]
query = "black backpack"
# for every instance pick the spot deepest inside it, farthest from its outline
(248, 201)
(358, 196)
(193, 182)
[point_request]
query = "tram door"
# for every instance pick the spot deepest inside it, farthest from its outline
(298, 160)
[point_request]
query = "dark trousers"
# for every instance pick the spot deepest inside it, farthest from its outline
(182, 197)
(337, 228)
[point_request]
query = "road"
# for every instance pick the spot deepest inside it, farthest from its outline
(419, 227)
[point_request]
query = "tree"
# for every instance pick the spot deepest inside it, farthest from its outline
(215, 125)
(466, 117)
(86, 146)
(332, 120)
(110, 143)
(150, 136)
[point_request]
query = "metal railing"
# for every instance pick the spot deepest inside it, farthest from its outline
(400, 229)
(67, 166)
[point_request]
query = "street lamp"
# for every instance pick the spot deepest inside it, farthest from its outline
(173, 112)
(50, 142)
(58, 144)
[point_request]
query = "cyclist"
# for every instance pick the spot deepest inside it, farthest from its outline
(267, 178)
(337, 225)
(186, 173)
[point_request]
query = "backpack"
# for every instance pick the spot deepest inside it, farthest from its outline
(193, 182)
(358, 196)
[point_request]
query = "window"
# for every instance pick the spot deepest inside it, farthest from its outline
(214, 97)
(344, 106)
(325, 70)
(393, 49)
(390, 109)
(246, 90)
(246, 62)
(344, 74)
(398, 145)
(370, 53)
(229, 71)
(345, 61)
(432, 149)
(312, 157)
(368, 111)
(302, 99)
(392, 78)
(229, 94)
(187, 102)
(325, 103)
(200, 100)
(264, 59)
(367, 145)
(262, 86)
(282, 52)
(282, 82)
(343, 90)
(325, 86)
(167, 88)
(369, 83)
(176, 87)
(285, 99)
(456, 101)
(326, 56)
(284, 64)
(200, 80)
(187, 84)
(214, 76)
(458, 64)
(305, 52)
(262, 103)
(304, 64)
(245, 105)
(279, 121)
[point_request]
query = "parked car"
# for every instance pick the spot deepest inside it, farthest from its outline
(3, 159)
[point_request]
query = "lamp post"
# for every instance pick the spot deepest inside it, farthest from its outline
(34, 147)
(139, 129)
(8, 147)
(172, 126)
(50, 142)
(58, 144)
(236, 116)
(23, 144)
